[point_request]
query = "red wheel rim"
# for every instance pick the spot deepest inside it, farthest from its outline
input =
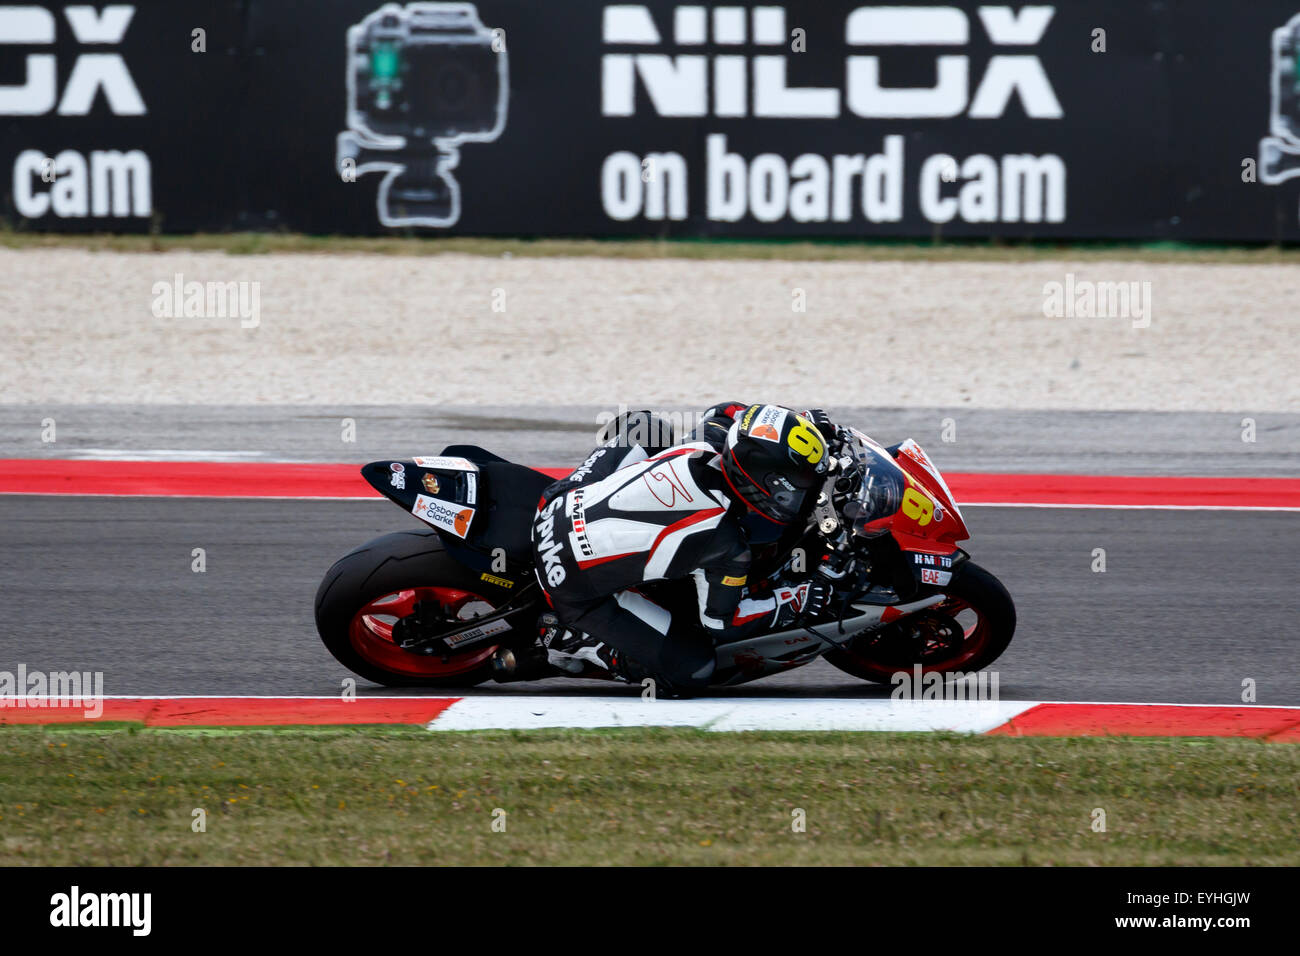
(371, 632)
(975, 637)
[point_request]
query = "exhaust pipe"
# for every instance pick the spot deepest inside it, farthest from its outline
(519, 664)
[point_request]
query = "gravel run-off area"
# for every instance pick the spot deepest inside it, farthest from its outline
(82, 326)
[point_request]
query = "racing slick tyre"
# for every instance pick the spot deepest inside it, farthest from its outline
(403, 581)
(966, 633)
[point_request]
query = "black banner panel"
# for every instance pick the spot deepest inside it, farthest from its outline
(1124, 119)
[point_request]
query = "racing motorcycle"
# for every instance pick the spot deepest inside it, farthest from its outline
(457, 602)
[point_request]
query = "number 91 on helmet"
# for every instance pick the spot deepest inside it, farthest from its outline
(772, 458)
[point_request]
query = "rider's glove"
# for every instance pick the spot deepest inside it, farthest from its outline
(819, 418)
(817, 597)
(800, 601)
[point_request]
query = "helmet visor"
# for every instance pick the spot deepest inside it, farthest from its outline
(776, 498)
(785, 498)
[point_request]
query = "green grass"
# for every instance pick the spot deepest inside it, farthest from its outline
(254, 243)
(126, 796)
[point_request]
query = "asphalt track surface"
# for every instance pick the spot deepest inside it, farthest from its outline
(1191, 603)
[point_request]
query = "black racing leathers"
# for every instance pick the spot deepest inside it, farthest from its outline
(628, 516)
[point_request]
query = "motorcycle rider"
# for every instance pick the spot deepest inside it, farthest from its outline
(636, 512)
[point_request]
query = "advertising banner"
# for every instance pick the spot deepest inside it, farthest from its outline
(1124, 119)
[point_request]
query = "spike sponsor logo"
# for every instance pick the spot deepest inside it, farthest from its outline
(584, 469)
(544, 535)
(443, 515)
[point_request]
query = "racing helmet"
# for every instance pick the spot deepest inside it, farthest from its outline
(772, 458)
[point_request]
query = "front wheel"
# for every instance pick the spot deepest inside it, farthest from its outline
(403, 577)
(966, 633)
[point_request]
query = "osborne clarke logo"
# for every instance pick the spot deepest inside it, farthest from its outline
(75, 908)
(680, 84)
(771, 419)
(441, 515)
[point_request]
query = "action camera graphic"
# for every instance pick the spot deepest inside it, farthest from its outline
(1279, 152)
(421, 80)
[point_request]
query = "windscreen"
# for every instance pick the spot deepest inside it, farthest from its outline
(880, 488)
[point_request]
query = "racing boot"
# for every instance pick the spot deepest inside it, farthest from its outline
(576, 653)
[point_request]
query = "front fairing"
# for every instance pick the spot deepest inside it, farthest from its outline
(904, 497)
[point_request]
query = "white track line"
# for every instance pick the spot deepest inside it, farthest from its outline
(168, 455)
(532, 713)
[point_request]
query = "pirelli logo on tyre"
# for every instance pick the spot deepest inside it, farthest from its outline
(443, 515)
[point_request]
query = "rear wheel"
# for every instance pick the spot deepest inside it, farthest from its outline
(966, 633)
(403, 582)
